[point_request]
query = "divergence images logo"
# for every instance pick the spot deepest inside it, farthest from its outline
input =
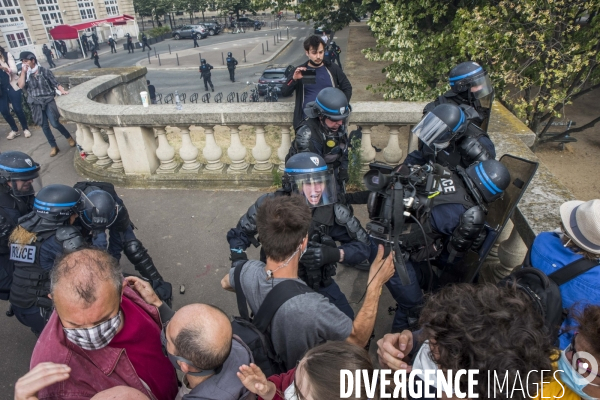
(583, 362)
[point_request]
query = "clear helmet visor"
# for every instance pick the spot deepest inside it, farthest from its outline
(482, 90)
(319, 189)
(25, 187)
(433, 130)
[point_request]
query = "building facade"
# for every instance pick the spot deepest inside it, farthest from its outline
(25, 24)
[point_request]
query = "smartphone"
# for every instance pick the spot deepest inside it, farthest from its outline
(309, 77)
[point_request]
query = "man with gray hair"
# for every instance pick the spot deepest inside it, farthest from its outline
(199, 341)
(103, 331)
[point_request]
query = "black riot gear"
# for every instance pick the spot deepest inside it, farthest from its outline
(203, 61)
(470, 79)
(137, 254)
(57, 202)
(491, 179)
(101, 210)
(18, 166)
(439, 127)
(229, 54)
(331, 103)
(308, 175)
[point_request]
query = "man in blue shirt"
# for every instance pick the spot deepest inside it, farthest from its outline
(578, 237)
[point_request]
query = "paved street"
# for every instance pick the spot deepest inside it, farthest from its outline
(184, 230)
(189, 81)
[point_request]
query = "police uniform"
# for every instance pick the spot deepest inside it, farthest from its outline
(330, 223)
(130, 48)
(205, 75)
(145, 42)
(112, 43)
(231, 63)
(195, 37)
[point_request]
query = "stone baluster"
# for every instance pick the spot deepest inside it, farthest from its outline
(236, 153)
(261, 152)
(88, 143)
(113, 150)
(283, 150)
(188, 152)
(165, 152)
(367, 151)
(100, 147)
(79, 134)
(212, 152)
(392, 154)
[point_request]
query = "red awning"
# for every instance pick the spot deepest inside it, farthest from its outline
(62, 32)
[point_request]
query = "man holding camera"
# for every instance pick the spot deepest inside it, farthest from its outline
(323, 75)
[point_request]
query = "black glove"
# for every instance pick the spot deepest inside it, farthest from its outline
(237, 255)
(343, 175)
(318, 255)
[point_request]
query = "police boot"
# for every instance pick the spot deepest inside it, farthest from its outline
(137, 254)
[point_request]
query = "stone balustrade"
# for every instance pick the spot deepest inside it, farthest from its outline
(245, 144)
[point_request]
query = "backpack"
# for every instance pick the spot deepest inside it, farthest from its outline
(255, 332)
(543, 290)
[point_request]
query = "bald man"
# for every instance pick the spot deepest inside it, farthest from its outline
(200, 343)
(103, 331)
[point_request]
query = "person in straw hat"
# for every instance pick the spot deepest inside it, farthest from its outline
(577, 238)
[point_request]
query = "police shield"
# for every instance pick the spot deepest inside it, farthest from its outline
(499, 212)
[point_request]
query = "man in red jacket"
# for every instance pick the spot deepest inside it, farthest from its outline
(103, 331)
(326, 75)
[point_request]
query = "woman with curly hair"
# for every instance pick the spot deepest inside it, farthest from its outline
(482, 327)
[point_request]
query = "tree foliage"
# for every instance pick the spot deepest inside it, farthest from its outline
(540, 54)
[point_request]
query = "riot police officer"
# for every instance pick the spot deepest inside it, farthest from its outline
(308, 175)
(129, 39)
(335, 51)
(469, 85)
(448, 136)
(324, 133)
(105, 210)
(17, 173)
(231, 63)
(205, 74)
(113, 44)
(41, 237)
(451, 210)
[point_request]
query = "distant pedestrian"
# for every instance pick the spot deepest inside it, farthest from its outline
(95, 57)
(145, 42)
(84, 42)
(151, 92)
(205, 74)
(325, 38)
(63, 47)
(48, 53)
(335, 53)
(195, 37)
(231, 63)
(113, 45)
(129, 43)
(57, 49)
(95, 40)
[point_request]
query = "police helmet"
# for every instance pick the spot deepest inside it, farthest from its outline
(100, 210)
(471, 78)
(57, 202)
(491, 179)
(330, 103)
(308, 175)
(440, 126)
(229, 54)
(332, 44)
(202, 61)
(21, 170)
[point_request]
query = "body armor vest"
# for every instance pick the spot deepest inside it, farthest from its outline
(31, 283)
(8, 201)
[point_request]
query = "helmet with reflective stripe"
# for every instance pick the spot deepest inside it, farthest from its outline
(15, 165)
(491, 178)
(57, 202)
(331, 103)
(307, 174)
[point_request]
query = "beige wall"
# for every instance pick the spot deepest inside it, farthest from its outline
(70, 14)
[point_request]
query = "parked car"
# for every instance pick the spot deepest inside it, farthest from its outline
(246, 22)
(186, 31)
(320, 29)
(214, 28)
(277, 74)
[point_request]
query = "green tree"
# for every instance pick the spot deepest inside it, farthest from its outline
(334, 14)
(237, 6)
(540, 54)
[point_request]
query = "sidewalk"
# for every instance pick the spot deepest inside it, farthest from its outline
(189, 59)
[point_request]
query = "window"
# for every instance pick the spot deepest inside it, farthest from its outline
(112, 7)
(10, 11)
(18, 39)
(86, 9)
(50, 13)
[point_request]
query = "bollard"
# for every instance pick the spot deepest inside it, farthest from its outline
(149, 62)
(237, 95)
(263, 45)
(177, 56)
(169, 49)
(288, 32)
(244, 55)
(271, 25)
(154, 51)
(222, 58)
(200, 57)
(159, 64)
(267, 45)
(274, 40)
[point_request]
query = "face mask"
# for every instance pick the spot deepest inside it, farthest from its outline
(96, 337)
(174, 359)
(570, 377)
(290, 392)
